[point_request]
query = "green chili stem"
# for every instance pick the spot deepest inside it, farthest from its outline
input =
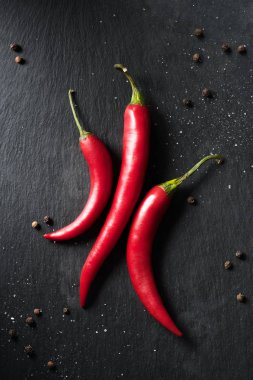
(136, 95)
(82, 131)
(170, 186)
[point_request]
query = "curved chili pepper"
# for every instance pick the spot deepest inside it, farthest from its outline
(100, 169)
(139, 246)
(133, 169)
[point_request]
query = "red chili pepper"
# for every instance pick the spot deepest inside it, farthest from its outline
(139, 246)
(100, 168)
(133, 169)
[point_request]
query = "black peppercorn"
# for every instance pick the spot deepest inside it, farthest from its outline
(226, 48)
(19, 60)
(13, 333)
(196, 58)
(239, 254)
(191, 200)
(30, 321)
(242, 49)
(206, 93)
(48, 220)
(15, 47)
(228, 265)
(35, 225)
(220, 161)
(51, 364)
(199, 32)
(187, 103)
(66, 310)
(37, 312)
(241, 297)
(28, 349)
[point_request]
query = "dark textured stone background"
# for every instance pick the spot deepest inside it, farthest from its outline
(75, 44)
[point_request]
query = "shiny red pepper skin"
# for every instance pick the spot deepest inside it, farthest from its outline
(101, 178)
(100, 168)
(133, 169)
(139, 246)
(139, 249)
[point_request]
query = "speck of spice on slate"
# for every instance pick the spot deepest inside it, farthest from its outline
(48, 220)
(66, 310)
(241, 297)
(191, 200)
(242, 49)
(29, 321)
(51, 364)
(19, 59)
(35, 225)
(37, 312)
(226, 48)
(12, 333)
(239, 254)
(187, 103)
(196, 57)
(15, 47)
(199, 32)
(220, 161)
(28, 349)
(228, 265)
(206, 93)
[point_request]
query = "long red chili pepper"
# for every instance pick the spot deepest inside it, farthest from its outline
(133, 169)
(139, 246)
(100, 168)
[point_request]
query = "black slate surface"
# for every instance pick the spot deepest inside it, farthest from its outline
(75, 44)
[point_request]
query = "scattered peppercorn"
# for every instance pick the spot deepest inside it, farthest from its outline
(28, 349)
(242, 49)
(30, 321)
(37, 312)
(241, 297)
(187, 103)
(220, 161)
(206, 93)
(191, 200)
(19, 60)
(226, 48)
(15, 47)
(239, 254)
(66, 310)
(199, 32)
(35, 225)
(196, 58)
(228, 265)
(13, 333)
(51, 364)
(48, 220)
